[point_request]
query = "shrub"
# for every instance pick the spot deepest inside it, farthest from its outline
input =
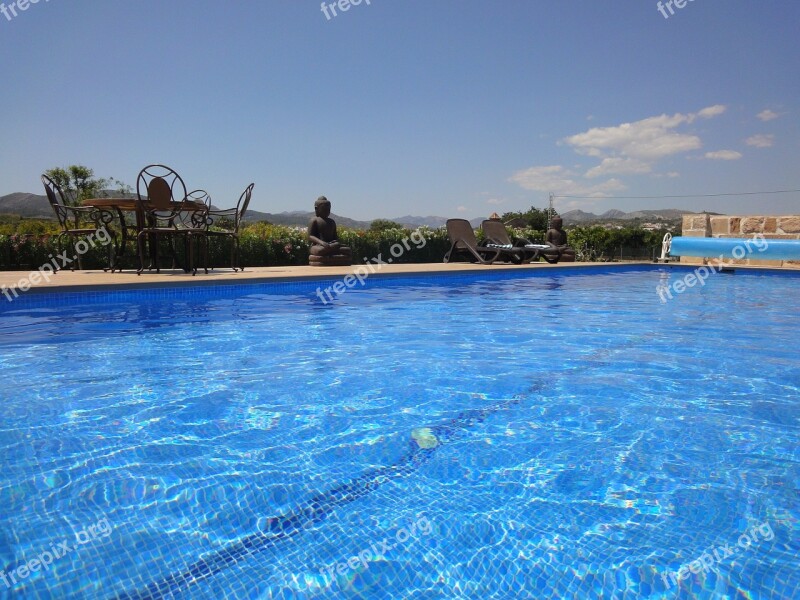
(28, 244)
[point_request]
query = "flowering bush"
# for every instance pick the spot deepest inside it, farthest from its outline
(29, 244)
(276, 245)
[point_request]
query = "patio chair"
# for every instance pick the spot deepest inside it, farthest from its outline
(169, 213)
(225, 223)
(195, 217)
(74, 221)
(201, 197)
(496, 233)
(463, 241)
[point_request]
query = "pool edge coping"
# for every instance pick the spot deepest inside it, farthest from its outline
(121, 282)
(276, 275)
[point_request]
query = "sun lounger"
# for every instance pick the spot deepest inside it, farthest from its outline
(496, 233)
(463, 241)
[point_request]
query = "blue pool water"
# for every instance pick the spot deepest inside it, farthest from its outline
(556, 434)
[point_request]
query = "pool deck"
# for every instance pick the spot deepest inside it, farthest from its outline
(77, 281)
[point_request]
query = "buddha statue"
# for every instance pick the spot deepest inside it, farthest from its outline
(557, 237)
(325, 247)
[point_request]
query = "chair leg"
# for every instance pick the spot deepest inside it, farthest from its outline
(482, 260)
(72, 247)
(120, 251)
(192, 268)
(172, 251)
(204, 239)
(59, 246)
(72, 240)
(449, 254)
(140, 245)
(112, 253)
(237, 260)
(155, 253)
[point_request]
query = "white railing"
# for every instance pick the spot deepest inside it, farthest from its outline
(665, 246)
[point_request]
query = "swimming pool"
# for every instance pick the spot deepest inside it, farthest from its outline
(503, 435)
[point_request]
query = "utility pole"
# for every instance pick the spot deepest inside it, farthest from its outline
(550, 211)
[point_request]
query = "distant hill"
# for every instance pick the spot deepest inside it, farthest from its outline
(579, 217)
(31, 206)
(35, 206)
(574, 217)
(413, 222)
(300, 219)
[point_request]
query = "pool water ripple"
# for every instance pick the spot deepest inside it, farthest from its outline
(658, 431)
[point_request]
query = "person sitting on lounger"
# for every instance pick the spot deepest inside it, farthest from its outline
(557, 238)
(325, 246)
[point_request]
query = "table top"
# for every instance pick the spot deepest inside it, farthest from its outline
(133, 203)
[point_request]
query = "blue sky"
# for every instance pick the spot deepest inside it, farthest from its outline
(445, 107)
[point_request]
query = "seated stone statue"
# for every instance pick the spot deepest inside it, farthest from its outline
(557, 238)
(325, 247)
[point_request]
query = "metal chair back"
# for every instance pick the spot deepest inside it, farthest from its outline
(200, 196)
(57, 201)
(159, 194)
(158, 186)
(193, 215)
(241, 206)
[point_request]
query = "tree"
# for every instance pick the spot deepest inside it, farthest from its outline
(78, 183)
(536, 218)
(383, 225)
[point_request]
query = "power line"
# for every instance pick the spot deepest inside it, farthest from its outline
(686, 196)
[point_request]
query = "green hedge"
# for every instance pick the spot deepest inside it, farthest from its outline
(261, 245)
(29, 252)
(276, 245)
(33, 243)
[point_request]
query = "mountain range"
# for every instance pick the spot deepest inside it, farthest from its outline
(35, 206)
(574, 217)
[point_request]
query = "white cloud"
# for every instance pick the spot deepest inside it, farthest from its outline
(626, 149)
(556, 178)
(646, 141)
(462, 209)
(724, 155)
(767, 115)
(495, 201)
(761, 140)
(619, 166)
(711, 111)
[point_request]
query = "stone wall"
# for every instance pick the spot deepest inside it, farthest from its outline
(724, 226)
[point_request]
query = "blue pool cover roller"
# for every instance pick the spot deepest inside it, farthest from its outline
(759, 248)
